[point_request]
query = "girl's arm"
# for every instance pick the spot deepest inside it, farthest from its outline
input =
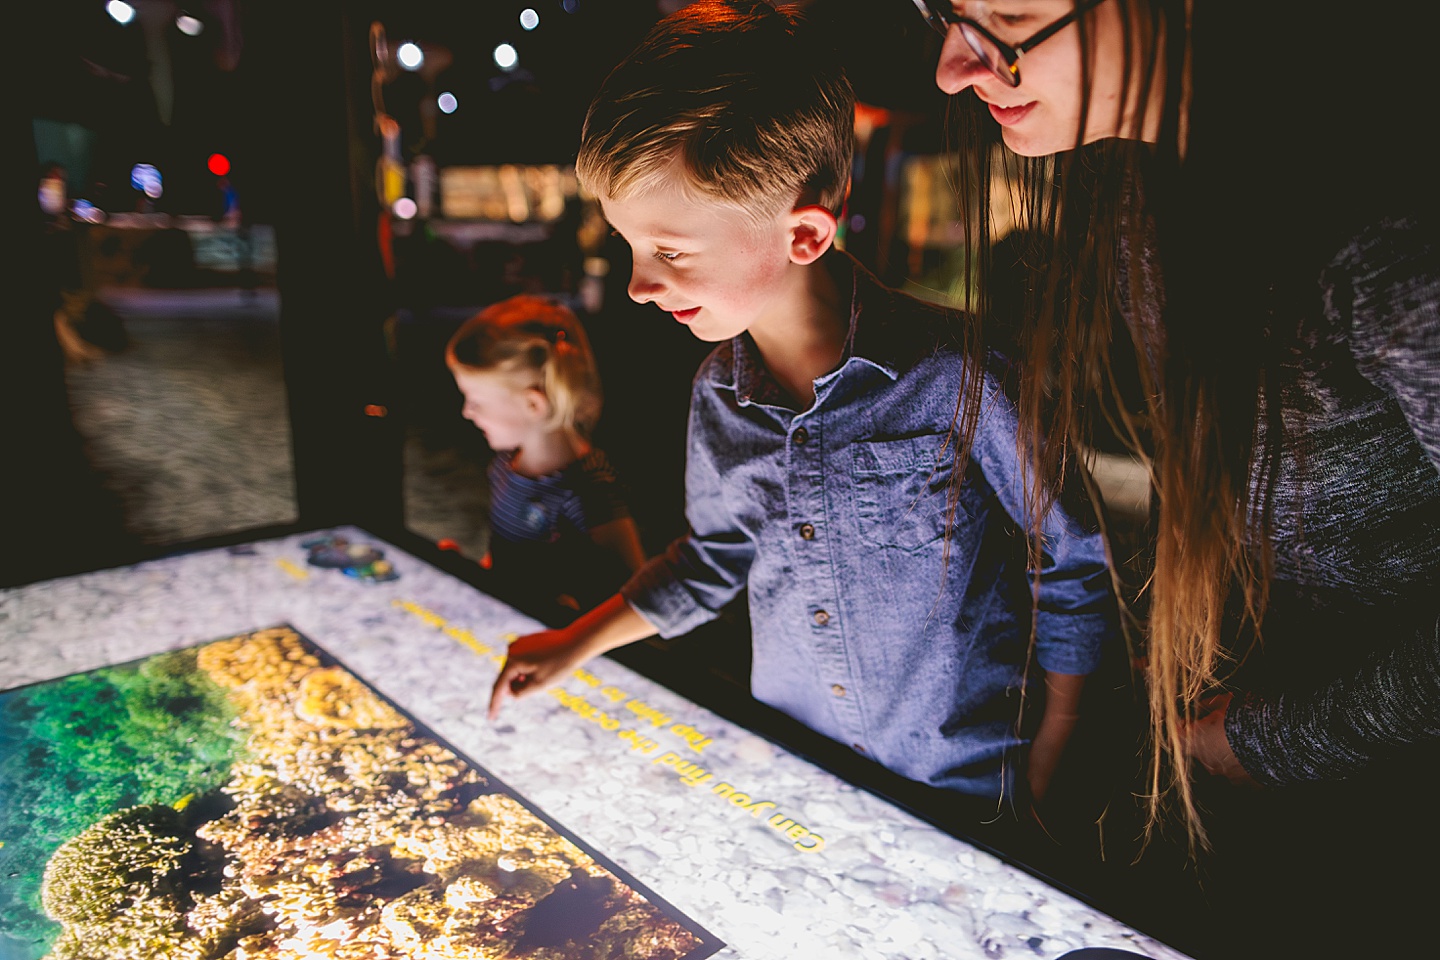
(622, 538)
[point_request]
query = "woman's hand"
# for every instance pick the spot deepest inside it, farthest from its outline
(1204, 741)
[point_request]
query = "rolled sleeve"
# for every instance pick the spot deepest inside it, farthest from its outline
(688, 584)
(699, 573)
(1076, 614)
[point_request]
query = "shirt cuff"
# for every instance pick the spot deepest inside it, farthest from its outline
(656, 594)
(1072, 643)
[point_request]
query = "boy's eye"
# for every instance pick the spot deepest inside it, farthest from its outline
(666, 256)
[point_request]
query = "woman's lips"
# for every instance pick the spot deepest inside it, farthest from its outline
(1009, 116)
(685, 316)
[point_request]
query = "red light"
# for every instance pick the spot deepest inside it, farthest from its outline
(219, 164)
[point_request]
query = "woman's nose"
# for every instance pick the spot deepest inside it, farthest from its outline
(958, 68)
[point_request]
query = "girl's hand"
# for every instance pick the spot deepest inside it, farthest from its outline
(1204, 741)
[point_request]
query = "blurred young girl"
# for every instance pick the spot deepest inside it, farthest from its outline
(561, 535)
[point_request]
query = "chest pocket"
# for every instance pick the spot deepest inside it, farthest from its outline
(901, 490)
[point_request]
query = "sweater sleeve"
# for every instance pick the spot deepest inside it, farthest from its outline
(1391, 293)
(1336, 731)
(1384, 291)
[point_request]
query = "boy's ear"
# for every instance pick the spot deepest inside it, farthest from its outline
(812, 231)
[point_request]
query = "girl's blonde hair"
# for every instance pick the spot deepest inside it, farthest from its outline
(539, 335)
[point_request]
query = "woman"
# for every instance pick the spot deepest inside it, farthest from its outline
(1238, 277)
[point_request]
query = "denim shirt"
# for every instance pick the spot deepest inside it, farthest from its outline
(835, 518)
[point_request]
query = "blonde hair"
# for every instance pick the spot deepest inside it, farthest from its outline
(544, 337)
(757, 108)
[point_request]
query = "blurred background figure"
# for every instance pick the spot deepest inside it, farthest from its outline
(65, 265)
(561, 533)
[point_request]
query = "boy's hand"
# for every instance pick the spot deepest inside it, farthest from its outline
(536, 661)
(540, 660)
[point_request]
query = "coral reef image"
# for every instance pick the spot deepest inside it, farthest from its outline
(250, 798)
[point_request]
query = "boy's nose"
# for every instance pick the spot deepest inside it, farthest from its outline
(959, 68)
(642, 288)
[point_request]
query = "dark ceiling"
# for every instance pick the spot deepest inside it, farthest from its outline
(107, 96)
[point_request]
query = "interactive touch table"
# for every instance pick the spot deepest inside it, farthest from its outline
(261, 751)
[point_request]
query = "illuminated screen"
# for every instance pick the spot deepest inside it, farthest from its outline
(251, 797)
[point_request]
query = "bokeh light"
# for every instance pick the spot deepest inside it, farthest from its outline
(188, 25)
(410, 55)
(87, 211)
(447, 102)
(120, 11)
(145, 178)
(404, 208)
(218, 164)
(529, 19)
(505, 57)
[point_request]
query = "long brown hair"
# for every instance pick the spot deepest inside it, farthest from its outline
(1118, 339)
(1170, 277)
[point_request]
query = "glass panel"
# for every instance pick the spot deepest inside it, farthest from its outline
(161, 272)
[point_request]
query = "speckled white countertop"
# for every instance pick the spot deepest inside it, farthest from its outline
(776, 857)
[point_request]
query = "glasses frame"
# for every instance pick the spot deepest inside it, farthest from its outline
(941, 15)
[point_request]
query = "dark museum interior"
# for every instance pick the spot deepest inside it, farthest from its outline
(259, 225)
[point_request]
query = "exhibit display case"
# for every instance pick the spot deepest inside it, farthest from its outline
(280, 748)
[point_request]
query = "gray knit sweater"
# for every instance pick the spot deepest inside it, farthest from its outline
(1349, 672)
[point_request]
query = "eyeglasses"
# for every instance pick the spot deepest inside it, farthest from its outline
(1002, 58)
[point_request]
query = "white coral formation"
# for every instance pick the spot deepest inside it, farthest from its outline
(113, 888)
(350, 836)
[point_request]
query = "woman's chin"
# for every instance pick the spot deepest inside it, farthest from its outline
(1028, 145)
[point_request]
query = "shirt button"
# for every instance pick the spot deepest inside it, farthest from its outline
(821, 617)
(801, 435)
(838, 690)
(807, 531)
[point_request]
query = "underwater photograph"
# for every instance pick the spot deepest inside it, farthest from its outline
(250, 797)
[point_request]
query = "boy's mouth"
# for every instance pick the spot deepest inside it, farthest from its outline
(685, 316)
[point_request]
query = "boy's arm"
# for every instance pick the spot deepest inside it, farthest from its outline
(539, 660)
(692, 580)
(1057, 722)
(1076, 615)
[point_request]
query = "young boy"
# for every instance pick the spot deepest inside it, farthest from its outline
(890, 599)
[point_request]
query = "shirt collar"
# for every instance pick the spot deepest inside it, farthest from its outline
(879, 342)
